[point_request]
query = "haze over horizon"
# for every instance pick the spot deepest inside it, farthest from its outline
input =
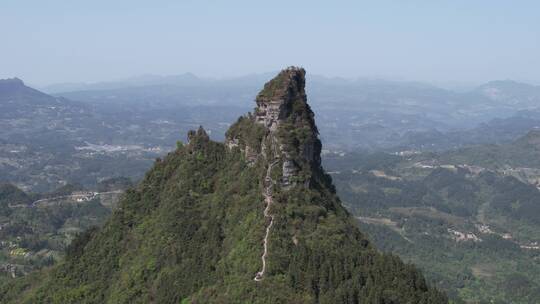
(458, 42)
(220, 152)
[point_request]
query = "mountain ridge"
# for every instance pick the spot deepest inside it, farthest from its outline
(195, 230)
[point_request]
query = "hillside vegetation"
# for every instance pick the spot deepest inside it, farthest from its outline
(468, 217)
(192, 231)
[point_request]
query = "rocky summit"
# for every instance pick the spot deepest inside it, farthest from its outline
(252, 220)
(291, 134)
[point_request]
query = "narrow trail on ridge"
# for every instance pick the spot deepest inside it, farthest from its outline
(268, 199)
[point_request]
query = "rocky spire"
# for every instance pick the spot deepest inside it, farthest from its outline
(282, 128)
(274, 102)
(283, 109)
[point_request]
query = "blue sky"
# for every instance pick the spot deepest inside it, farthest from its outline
(459, 41)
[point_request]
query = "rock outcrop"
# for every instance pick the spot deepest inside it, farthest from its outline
(275, 101)
(289, 128)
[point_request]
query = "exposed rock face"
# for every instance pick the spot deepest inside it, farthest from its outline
(289, 131)
(274, 102)
(282, 108)
(290, 170)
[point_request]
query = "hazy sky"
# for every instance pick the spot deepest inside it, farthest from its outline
(48, 41)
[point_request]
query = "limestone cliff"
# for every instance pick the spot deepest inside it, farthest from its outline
(290, 133)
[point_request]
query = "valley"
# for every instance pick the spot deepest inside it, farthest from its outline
(469, 222)
(36, 229)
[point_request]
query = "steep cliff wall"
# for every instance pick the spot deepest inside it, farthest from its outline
(290, 133)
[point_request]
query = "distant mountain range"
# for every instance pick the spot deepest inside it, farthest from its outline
(501, 91)
(54, 139)
(187, 79)
(365, 114)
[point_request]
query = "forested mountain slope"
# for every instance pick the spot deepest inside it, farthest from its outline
(255, 219)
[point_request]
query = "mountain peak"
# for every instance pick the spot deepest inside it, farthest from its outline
(274, 102)
(291, 78)
(15, 89)
(286, 129)
(253, 220)
(11, 82)
(197, 139)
